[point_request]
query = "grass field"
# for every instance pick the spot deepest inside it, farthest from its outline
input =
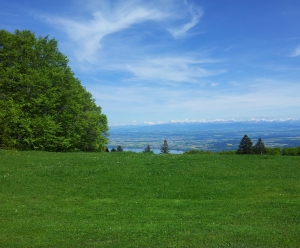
(139, 200)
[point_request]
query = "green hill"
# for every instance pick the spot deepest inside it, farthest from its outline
(145, 200)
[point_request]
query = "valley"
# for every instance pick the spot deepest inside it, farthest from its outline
(205, 136)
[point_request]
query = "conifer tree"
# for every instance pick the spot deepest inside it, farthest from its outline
(147, 149)
(165, 148)
(259, 147)
(119, 149)
(246, 146)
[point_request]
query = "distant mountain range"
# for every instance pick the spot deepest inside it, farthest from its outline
(222, 121)
(215, 135)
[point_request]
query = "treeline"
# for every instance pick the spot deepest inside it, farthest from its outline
(288, 151)
(164, 149)
(246, 147)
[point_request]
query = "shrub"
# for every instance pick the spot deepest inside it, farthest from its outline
(194, 151)
(291, 151)
(273, 150)
(231, 152)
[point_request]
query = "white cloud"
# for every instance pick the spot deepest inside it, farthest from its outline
(91, 47)
(261, 97)
(195, 15)
(176, 69)
(296, 52)
(86, 33)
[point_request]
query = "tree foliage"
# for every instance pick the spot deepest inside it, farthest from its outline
(42, 105)
(245, 146)
(259, 147)
(165, 148)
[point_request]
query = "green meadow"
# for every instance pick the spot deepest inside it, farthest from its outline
(143, 200)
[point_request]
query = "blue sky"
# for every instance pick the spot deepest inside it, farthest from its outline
(175, 60)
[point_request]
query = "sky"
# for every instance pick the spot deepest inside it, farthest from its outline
(175, 60)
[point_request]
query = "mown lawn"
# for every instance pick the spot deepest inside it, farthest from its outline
(136, 200)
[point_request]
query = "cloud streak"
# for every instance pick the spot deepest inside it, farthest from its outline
(88, 34)
(257, 98)
(195, 15)
(175, 69)
(92, 47)
(296, 52)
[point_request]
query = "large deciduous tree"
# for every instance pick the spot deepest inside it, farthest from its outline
(42, 105)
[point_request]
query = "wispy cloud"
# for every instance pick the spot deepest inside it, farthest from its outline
(296, 52)
(93, 45)
(257, 97)
(175, 69)
(195, 14)
(109, 18)
(87, 34)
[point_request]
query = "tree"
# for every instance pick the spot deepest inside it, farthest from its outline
(42, 105)
(113, 150)
(245, 146)
(147, 149)
(119, 149)
(165, 148)
(259, 147)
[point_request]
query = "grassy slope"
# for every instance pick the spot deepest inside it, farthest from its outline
(136, 200)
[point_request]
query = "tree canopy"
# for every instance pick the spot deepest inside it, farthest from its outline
(42, 105)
